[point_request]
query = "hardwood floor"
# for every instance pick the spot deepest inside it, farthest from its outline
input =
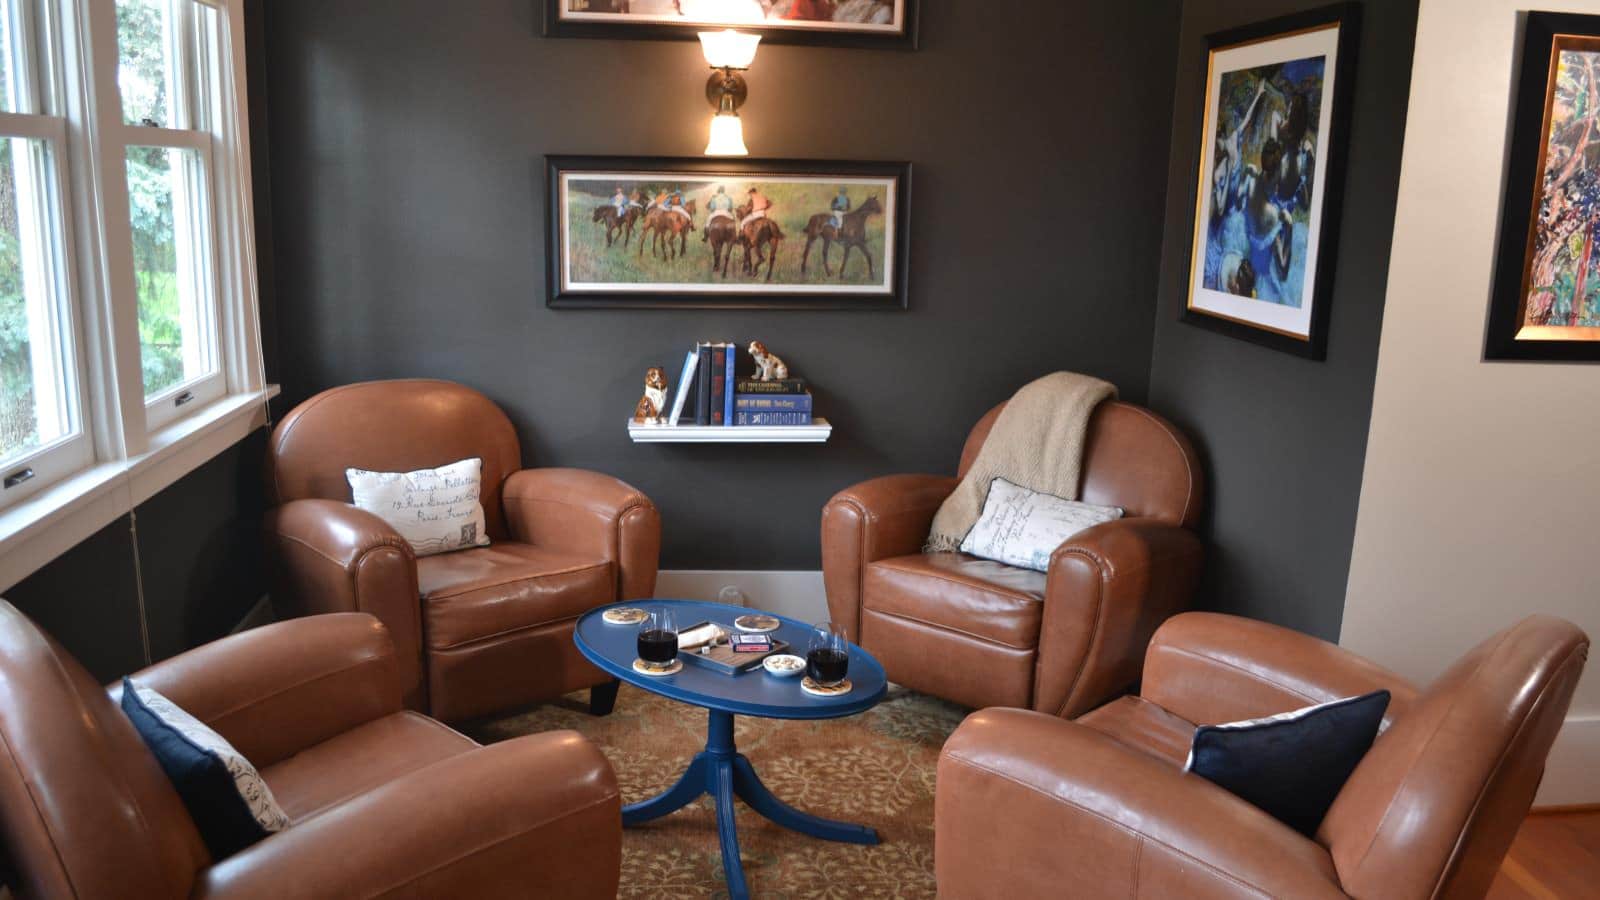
(1555, 855)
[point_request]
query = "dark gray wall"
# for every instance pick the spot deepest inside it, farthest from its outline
(406, 162)
(198, 549)
(1285, 438)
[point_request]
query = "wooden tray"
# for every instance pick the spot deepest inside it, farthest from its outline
(723, 659)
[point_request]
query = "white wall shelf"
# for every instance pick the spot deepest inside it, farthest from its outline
(816, 433)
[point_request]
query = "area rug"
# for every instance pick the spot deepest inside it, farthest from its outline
(875, 769)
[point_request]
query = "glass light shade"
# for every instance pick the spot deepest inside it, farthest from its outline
(727, 136)
(729, 49)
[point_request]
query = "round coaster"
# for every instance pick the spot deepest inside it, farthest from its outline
(838, 690)
(756, 624)
(624, 615)
(644, 668)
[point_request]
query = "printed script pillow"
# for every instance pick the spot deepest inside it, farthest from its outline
(435, 510)
(1291, 765)
(230, 804)
(1022, 528)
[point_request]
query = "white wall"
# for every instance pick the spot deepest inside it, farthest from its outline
(1481, 497)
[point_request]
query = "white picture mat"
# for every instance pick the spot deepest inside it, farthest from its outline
(1296, 321)
(896, 26)
(793, 243)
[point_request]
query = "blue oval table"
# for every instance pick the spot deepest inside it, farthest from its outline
(720, 769)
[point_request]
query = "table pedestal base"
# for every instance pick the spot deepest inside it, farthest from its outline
(723, 772)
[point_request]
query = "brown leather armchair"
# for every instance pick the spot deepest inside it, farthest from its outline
(479, 630)
(981, 633)
(382, 801)
(1028, 803)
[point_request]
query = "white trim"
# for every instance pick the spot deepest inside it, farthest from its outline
(798, 595)
(41, 528)
(1570, 776)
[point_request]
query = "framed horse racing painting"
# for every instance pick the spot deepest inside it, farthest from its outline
(1272, 148)
(705, 233)
(1546, 300)
(837, 23)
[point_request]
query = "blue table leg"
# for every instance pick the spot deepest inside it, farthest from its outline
(686, 791)
(721, 771)
(750, 789)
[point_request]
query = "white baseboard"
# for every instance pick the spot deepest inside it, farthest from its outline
(1570, 776)
(798, 595)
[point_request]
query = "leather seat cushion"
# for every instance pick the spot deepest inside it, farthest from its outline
(485, 592)
(324, 775)
(956, 592)
(1145, 727)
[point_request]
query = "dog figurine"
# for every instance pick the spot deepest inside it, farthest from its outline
(654, 402)
(768, 367)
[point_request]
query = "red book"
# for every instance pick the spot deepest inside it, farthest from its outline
(719, 381)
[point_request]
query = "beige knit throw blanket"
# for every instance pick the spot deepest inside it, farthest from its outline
(1037, 443)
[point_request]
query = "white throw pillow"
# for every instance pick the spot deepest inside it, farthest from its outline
(1022, 528)
(435, 510)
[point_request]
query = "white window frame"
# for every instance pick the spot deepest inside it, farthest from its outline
(129, 448)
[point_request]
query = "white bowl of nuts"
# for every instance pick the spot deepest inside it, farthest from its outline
(784, 665)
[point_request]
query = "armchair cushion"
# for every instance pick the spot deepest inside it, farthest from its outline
(492, 591)
(1138, 724)
(321, 777)
(980, 598)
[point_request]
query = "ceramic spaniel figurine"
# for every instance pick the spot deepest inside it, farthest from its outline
(654, 402)
(768, 367)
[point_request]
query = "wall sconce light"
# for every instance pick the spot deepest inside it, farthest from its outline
(729, 53)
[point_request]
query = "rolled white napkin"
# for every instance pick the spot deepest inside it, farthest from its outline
(705, 634)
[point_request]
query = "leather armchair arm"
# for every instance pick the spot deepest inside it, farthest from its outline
(327, 556)
(1211, 668)
(1029, 804)
(877, 519)
(1109, 588)
(275, 690)
(578, 511)
(536, 815)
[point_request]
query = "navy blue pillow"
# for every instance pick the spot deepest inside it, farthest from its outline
(1291, 765)
(230, 804)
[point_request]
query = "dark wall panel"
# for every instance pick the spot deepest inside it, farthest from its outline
(1285, 438)
(406, 160)
(88, 600)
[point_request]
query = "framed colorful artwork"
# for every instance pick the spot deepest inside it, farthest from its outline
(716, 233)
(1546, 300)
(837, 23)
(1272, 149)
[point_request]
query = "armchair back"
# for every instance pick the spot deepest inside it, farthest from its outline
(85, 810)
(1433, 806)
(391, 426)
(1132, 458)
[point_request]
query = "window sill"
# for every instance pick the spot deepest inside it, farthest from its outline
(44, 526)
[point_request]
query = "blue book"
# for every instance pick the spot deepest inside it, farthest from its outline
(773, 402)
(732, 355)
(745, 417)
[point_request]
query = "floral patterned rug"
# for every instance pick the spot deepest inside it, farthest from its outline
(876, 769)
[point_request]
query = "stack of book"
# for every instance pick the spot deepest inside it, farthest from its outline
(711, 392)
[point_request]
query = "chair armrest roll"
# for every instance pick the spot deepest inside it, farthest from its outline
(578, 511)
(1109, 588)
(537, 815)
(873, 520)
(327, 556)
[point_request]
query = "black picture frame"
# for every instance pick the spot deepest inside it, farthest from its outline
(758, 296)
(622, 29)
(1506, 335)
(1347, 18)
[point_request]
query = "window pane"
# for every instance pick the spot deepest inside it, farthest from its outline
(8, 65)
(33, 387)
(145, 66)
(171, 261)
